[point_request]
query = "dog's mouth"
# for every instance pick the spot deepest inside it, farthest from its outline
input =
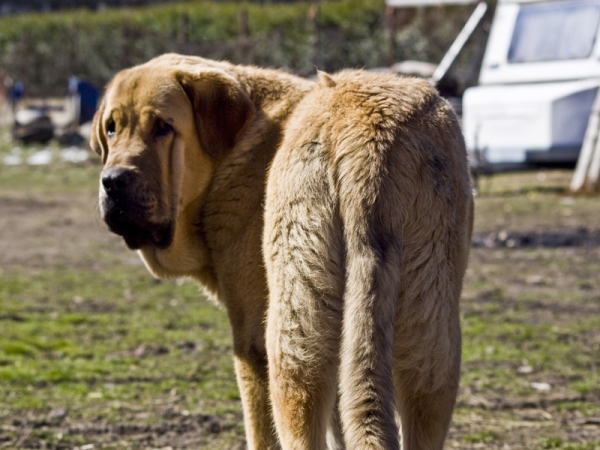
(131, 224)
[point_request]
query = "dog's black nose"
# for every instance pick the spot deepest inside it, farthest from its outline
(116, 179)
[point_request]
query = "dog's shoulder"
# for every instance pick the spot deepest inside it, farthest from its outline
(397, 98)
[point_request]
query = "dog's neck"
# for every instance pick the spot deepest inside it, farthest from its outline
(272, 90)
(232, 213)
(220, 234)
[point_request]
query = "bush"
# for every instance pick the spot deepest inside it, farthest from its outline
(43, 50)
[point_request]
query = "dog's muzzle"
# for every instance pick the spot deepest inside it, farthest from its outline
(127, 209)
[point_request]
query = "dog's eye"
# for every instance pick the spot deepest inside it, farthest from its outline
(111, 128)
(162, 128)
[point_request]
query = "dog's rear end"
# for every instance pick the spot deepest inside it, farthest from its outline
(367, 230)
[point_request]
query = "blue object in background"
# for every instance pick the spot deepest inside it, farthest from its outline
(88, 95)
(16, 92)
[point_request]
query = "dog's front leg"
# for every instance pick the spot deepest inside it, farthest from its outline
(252, 377)
(252, 372)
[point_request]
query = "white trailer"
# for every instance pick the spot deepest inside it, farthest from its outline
(537, 85)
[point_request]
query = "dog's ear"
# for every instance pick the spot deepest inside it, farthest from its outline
(222, 109)
(97, 137)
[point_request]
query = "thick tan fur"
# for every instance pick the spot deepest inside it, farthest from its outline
(365, 228)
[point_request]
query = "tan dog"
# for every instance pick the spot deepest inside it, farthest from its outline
(366, 236)
(367, 231)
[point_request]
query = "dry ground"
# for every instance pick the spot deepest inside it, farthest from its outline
(96, 354)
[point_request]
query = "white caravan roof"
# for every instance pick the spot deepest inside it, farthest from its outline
(414, 3)
(528, 1)
(533, 41)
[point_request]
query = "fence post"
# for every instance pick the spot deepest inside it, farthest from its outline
(183, 29)
(390, 22)
(124, 59)
(74, 50)
(313, 21)
(588, 148)
(594, 171)
(243, 35)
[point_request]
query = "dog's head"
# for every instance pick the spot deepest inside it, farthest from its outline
(161, 130)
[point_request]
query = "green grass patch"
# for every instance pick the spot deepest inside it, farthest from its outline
(108, 344)
(84, 338)
(480, 437)
(58, 177)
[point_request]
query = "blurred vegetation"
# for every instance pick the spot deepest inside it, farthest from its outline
(43, 50)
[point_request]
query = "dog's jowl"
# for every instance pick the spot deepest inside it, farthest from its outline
(332, 219)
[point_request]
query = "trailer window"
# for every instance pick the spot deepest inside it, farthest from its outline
(554, 31)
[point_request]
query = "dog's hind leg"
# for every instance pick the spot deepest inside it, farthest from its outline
(303, 251)
(335, 434)
(428, 339)
(426, 410)
(426, 417)
(302, 379)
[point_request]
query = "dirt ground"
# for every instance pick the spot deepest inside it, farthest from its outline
(529, 269)
(39, 231)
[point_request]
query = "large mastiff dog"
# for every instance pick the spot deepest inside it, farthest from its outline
(331, 219)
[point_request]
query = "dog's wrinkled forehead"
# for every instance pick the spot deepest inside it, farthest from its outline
(143, 91)
(204, 104)
(141, 108)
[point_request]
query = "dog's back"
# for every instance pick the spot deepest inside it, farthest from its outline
(367, 229)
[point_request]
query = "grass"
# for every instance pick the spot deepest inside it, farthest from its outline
(57, 177)
(531, 326)
(93, 350)
(103, 341)
(83, 341)
(113, 341)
